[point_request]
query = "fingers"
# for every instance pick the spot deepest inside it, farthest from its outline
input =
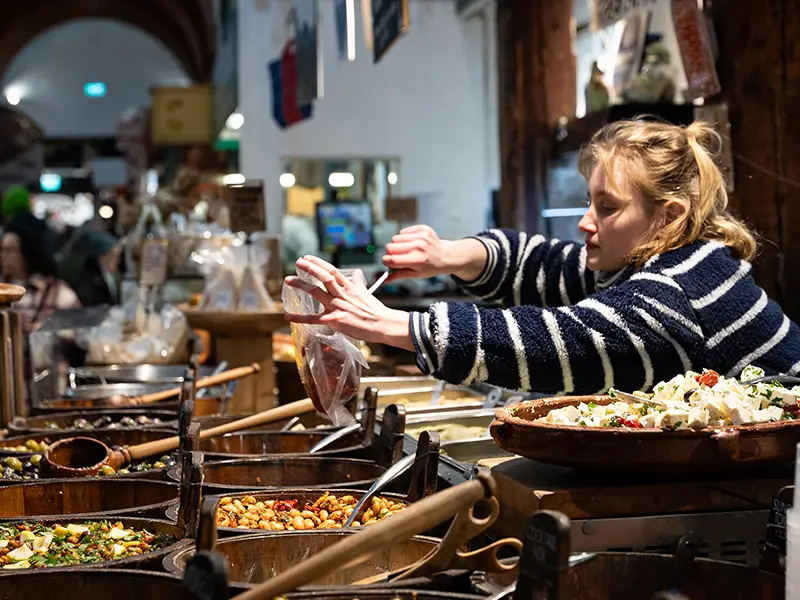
(405, 247)
(415, 229)
(402, 274)
(405, 261)
(304, 319)
(322, 273)
(315, 291)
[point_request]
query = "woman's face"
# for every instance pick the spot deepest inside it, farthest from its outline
(12, 263)
(615, 223)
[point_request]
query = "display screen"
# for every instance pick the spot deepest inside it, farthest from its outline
(344, 225)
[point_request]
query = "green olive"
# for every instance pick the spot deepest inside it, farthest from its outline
(35, 459)
(159, 465)
(14, 463)
(123, 472)
(32, 445)
(107, 470)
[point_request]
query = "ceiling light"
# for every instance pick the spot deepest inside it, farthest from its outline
(233, 179)
(236, 120)
(392, 178)
(341, 180)
(12, 97)
(287, 180)
(105, 211)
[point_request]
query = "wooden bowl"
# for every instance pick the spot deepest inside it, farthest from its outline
(236, 324)
(709, 450)
(86, 498)
(254, 558)
(286, 472)
(148, 561)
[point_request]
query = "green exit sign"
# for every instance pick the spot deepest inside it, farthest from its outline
(94, 89)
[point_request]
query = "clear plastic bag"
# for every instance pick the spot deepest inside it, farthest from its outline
(329, 362)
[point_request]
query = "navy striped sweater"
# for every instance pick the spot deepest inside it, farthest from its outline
(568, 330)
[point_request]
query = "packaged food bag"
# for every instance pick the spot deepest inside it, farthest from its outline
(329, 362)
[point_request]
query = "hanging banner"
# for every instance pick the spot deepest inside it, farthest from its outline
(285, 109)
(608, 12)
(340, 19)
(308, 70)
(695, 47)
(390, 20)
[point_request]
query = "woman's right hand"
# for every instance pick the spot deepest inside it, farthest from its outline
(418, 253)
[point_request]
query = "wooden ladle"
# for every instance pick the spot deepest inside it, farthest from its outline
(84, 457)
(206, 382)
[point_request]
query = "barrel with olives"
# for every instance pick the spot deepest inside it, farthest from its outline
(22, 468)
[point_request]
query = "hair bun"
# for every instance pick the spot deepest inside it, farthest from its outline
(706, 136)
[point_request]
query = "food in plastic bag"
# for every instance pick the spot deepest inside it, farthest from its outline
(329, 362)
(253, 295)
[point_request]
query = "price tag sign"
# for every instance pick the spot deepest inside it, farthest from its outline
(544, 562)
(246, 207)
(155, 257)
(695, 46)
(773, 557)
(390, 19)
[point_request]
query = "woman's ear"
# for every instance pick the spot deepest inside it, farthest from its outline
(673, 210)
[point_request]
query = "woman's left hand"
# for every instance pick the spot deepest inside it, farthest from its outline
(349, 307)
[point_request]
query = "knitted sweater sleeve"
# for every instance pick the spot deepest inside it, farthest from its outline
(629, 336)
(522, 269)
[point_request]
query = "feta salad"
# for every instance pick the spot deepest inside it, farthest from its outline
(689, 401)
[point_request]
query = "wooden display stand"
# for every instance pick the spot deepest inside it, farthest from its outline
(527, 486)
(242, 339)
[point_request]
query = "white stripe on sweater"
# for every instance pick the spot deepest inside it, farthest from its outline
(795, 368)
(532, 244)
(600, 346)
(562, 281)
(479, 372)
(751, 314)
(540, 284)
(657, 278)
(519, 351)
(613, 317)
(561, 350)
(719, 292)
(691, 326)
(442, 337)
(506, 247)
(659, 329)
(491, 262)
(763, 348)
(582, 270)
(695, 259)
(415, 324)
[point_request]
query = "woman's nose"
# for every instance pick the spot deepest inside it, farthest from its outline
(587, 224)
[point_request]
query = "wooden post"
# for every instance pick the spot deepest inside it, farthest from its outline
(537, 87)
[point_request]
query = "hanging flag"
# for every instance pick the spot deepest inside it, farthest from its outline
(340, 10)
(285, 109)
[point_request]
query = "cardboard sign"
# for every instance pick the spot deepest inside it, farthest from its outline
(608, 12)
(390, 19)
(695, 47)
(403, 210)
(182, 116)
(154, 261)
(246, 207)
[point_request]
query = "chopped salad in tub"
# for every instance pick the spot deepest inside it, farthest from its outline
(690, 401)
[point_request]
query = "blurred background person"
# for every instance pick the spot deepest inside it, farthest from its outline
(89, 263)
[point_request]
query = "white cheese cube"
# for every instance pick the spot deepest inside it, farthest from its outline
(738, 412)
(766, 415)
(698, 418)
(674, 419)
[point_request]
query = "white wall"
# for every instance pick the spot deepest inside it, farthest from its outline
(425, 103)
(49, 74)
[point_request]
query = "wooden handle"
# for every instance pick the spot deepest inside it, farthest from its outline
(210, 381)
(415, 519)
(287, 411)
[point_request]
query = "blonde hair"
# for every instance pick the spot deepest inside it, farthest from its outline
(669, 163)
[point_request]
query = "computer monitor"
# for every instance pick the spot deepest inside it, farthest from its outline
(344, 225)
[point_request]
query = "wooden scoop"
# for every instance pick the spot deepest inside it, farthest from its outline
(82, 456)
(206, 382)
(413, 520)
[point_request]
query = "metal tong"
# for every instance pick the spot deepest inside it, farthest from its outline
(448, 555)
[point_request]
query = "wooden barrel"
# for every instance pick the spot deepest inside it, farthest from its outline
(110, 437)
(118, 584)
(255, 558)
(611, 576)
(287, 472)
(258, 443)
(148, 561)
(64, 420)
(91, 497)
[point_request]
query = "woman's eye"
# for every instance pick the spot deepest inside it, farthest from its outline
(607, 209)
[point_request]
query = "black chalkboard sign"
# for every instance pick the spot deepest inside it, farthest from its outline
(544, 562)
(774, 556)
(390, 19)
(206, 576)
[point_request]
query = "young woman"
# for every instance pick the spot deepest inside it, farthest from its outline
(662, 284)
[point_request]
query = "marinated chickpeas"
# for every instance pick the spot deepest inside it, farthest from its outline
(327, 512)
